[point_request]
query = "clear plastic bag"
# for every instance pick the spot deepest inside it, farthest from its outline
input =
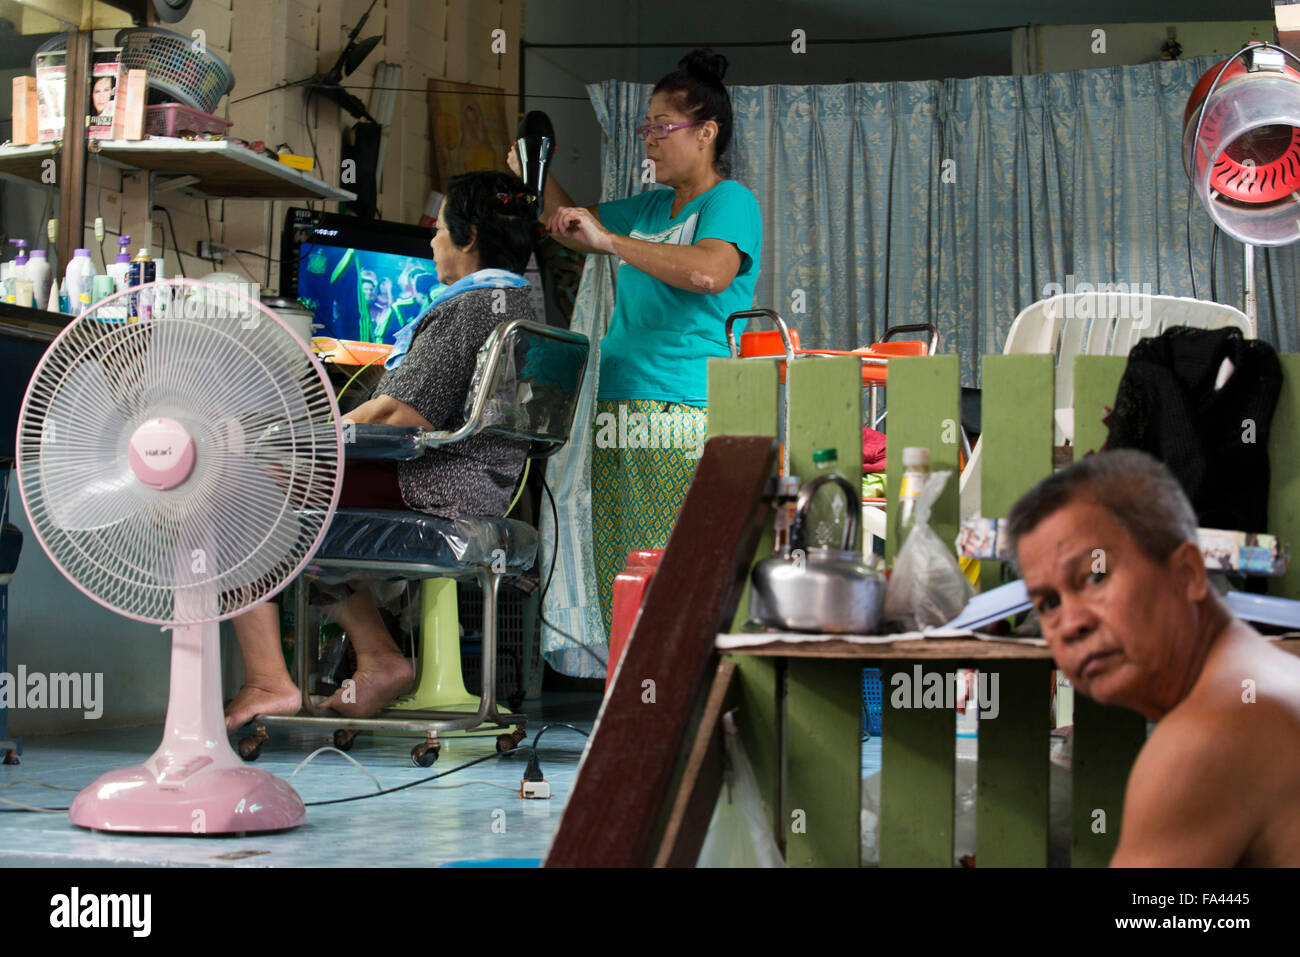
(927, 587)
(739, 834)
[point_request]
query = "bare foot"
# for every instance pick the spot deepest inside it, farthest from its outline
(378, 680)
(255, 699)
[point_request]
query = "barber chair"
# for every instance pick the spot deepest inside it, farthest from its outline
(526, 387)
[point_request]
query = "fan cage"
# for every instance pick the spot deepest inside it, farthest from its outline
(267, 472)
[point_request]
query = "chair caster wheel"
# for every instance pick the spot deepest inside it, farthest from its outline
(425, 753)
(508, 742)
(250, 747)
(344, 737)
(11, 757)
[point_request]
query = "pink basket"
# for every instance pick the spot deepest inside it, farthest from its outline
(177, 119)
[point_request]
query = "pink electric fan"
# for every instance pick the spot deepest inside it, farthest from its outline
(178, 471)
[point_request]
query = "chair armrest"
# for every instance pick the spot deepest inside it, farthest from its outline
(392, 443)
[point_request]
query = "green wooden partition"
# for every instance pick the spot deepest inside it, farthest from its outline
(823, 710)
(743, 401)
(800, 708)
(1011, 821)
(925, 411)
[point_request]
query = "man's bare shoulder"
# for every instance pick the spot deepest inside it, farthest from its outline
(1226, 760)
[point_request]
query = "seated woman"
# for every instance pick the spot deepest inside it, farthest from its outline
(481, 248)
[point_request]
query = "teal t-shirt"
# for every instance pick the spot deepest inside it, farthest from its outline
(660, 337)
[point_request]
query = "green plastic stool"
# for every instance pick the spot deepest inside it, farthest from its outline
(439, 681)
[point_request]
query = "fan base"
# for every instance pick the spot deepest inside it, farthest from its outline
(217, 800)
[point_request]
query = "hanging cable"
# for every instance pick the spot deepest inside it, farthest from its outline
(555, 513)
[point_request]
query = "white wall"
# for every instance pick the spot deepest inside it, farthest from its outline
(1059, 49)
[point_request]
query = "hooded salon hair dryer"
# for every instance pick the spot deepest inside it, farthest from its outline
(1241, 150)
(535, 146)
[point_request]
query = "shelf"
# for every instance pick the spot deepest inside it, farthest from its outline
(772, 645)
(224, 170)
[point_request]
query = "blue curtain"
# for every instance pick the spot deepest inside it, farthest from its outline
(955, 202)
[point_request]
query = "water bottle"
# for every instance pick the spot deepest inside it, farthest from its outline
(916, 470)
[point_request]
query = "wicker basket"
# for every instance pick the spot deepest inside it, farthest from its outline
(519, 646)
(175, 68)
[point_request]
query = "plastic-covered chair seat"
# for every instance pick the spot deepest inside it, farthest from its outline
(371, 538)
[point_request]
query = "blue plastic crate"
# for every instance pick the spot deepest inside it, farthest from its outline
(871, 701)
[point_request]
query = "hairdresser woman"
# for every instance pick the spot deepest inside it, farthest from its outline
(687, 257)
(481, 249)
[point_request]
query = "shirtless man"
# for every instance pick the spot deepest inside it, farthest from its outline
(1107, 549)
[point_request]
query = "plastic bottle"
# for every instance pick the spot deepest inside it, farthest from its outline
(826, 519)
(141, 270)
(122, 264)
(38, 271)
(17, 270)
(916, 470)
(64, 305)
(80, 275)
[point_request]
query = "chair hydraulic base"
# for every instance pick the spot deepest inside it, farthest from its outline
(439, 686)
(438, 706)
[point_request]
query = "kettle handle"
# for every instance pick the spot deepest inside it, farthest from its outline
(804, 503)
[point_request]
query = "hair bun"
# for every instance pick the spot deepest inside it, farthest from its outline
(704, 64)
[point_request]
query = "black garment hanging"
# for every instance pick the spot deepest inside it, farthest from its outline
(1215, 441)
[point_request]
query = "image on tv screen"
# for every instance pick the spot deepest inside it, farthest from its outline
(362, 295)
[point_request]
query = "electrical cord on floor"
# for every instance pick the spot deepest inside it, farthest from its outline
(412, 784)
(556, 724)
(534, 770)
(541, 602)
(357, 764)
(17, 806)
(464, 784)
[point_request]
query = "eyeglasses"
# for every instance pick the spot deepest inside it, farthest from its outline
(660, 130)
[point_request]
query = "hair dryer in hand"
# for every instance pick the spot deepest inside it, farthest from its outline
(535, 146)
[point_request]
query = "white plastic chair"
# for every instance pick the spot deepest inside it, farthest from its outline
(1097, 324)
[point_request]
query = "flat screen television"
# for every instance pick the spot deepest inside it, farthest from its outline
(363, 279)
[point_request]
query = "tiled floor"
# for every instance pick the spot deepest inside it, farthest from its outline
(446, 822)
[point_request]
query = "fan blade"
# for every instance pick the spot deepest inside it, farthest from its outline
(86, 480)
(219, 370)
(259, 532)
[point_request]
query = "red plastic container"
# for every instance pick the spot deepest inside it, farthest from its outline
(629, 590)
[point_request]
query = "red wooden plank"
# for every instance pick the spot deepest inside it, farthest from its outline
(622, 792)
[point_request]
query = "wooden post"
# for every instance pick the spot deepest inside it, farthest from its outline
(72, 158)
(620, 804)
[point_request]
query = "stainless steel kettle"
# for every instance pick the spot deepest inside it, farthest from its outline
(819, 589)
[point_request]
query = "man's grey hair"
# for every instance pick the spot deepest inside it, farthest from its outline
(1141, 494)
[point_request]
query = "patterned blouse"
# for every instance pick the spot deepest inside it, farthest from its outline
(478, 475)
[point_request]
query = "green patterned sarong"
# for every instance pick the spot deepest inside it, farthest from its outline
(643, 458)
